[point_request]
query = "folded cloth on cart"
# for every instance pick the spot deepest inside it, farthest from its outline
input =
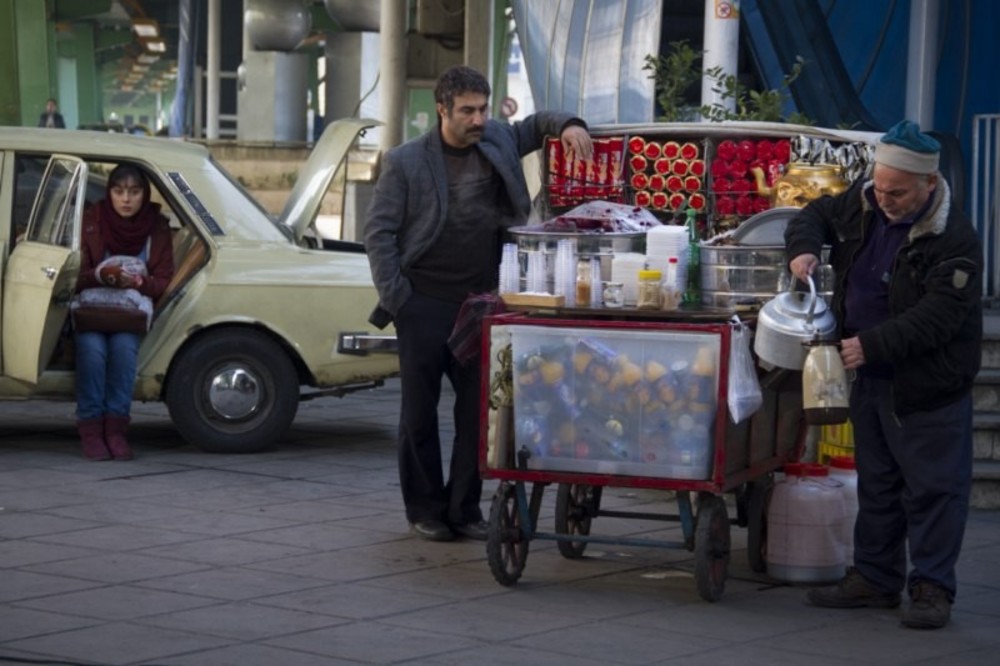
(601, 217)
(465, 339)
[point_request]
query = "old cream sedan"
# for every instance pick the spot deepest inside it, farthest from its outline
(259, 314)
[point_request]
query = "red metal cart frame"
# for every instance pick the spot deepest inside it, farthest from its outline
(744, 456)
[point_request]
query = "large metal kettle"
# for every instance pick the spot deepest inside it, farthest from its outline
(824, 385)
(790, 321)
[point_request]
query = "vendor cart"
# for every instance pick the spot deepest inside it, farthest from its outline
(588, 398)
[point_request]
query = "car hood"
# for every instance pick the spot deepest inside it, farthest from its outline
(314, 179)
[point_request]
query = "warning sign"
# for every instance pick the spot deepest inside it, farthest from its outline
(727, 9)
(508, 107)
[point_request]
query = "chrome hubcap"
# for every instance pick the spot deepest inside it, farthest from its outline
(235, 393)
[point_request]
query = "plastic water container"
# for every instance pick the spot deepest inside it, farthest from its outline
(842, 469)
(806, 526)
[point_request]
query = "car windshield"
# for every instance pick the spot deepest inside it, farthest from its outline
(247, 196)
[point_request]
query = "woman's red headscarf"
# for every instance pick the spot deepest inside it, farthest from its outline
(127, 235)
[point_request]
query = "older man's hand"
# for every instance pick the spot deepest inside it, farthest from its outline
(576, 141)
(852, 353)
(803, 265)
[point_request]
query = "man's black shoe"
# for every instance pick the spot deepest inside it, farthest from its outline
(432, 530)
(475, 530)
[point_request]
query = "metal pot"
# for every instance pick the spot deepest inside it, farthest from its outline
(787, 323)
(747, 276)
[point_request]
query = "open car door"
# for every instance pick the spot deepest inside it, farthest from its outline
(41, 273)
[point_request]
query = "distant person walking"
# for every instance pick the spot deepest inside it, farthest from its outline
(51, 116)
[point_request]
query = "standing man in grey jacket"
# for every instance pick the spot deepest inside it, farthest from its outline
(433, 236)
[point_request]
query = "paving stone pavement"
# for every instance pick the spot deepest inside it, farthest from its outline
(301, 557)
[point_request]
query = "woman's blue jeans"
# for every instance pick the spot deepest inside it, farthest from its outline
(105, 373)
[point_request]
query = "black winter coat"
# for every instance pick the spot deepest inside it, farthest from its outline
(933, 335)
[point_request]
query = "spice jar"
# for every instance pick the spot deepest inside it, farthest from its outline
(671, 296)
(614, 294)
(649, 289)
(583, 280)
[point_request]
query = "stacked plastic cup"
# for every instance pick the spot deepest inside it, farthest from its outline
(564, 271)
(536, 272)
(510, 271)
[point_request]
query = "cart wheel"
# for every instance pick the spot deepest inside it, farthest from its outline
(506, 541)
(576, 506)
(711, 546)
(760, 498)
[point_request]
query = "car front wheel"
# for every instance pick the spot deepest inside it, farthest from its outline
(233, 391)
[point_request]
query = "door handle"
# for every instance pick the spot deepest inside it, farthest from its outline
(50, 272)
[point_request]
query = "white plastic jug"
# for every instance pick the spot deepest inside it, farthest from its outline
(806, 526)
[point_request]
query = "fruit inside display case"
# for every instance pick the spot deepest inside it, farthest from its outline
(625, 402)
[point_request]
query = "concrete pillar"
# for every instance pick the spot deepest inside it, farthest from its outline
(722, 45)
(392, 65)
(479, 38)
(921, 62)
(213, 60)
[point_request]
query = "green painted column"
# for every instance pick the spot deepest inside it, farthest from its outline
(10, 94)
(35, 52)
(81, 45)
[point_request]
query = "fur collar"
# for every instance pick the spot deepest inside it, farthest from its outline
(934, 220)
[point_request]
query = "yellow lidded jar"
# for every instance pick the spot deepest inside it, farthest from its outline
(649, 289)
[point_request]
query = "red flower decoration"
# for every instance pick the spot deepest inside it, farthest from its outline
(726, 150)
(720, 169)
(697, 201)
(689, 151)
(659, 200)
(677, 201)
(744, 205)
(746, 150)
(697, 168)
(652, 150)
(656, 182)
(691, 184)
(671, 150)
(642, 199)
(738, 169)
(680, 167)
(721, 185)
(760, 204)
(638, 163)
(783, 151)
(661, 165)
(675, 183)
(725, 205)
(640, 181)
(636, 145)
(765, 150)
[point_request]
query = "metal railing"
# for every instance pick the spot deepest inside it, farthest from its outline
(985, 208)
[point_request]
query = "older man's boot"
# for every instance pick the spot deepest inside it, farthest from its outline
(92, 439)
(114, 434)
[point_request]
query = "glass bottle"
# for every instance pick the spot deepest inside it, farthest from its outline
(583, 283)
(692, 292)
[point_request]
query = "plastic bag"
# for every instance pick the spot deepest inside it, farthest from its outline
(744, 396)
(602, 217)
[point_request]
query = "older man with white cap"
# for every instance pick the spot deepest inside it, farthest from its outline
(907, 298)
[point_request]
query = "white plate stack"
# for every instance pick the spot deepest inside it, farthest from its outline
(664, 242)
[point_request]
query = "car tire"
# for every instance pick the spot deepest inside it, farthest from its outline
(233, 391)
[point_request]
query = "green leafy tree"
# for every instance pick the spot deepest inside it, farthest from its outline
(674, 73)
